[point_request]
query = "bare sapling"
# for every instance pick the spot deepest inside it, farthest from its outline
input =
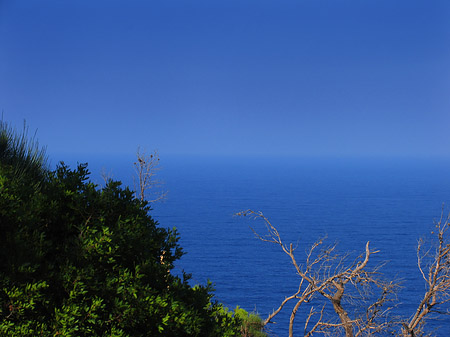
(146, 186)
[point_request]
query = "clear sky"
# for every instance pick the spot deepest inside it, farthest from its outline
(303, 77)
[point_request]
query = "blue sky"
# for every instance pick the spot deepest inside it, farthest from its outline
(304, 77)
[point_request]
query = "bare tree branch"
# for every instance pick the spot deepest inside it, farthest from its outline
(435, 270)
(327, 275)
(146, 187)
(318, 323)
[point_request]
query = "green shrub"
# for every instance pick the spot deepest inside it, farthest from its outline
(251, 324)
(79, 260)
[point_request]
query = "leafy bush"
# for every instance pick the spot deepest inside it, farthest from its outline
(79, 260)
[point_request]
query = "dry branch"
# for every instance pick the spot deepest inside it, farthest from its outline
(326, 275)
(146, 187)
(435, 270)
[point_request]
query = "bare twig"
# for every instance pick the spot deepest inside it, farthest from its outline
(146, 167)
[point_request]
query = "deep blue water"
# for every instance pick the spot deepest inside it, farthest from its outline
(391, 203)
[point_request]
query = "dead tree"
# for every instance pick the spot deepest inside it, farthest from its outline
(434, 266)
(327, 275)
(146, 187)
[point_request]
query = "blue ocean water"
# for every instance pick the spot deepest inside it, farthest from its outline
(389, 202)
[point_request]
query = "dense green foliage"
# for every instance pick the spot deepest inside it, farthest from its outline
(79, 260)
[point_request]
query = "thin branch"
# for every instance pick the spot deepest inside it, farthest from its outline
(437, 279)
(146, 168)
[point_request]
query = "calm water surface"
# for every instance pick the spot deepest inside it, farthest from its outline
(390, 203)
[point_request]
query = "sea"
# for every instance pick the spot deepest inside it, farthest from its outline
(389, 202)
